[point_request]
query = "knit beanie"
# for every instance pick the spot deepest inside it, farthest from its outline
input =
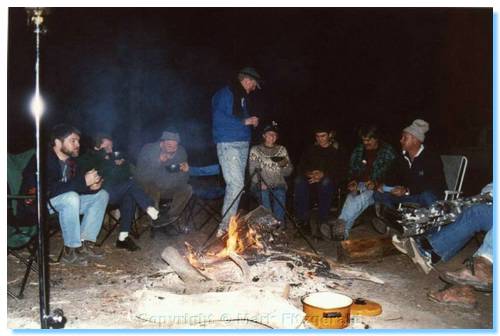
(167, 135)
(418, 129)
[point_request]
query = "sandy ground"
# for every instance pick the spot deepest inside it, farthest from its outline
(102, 294)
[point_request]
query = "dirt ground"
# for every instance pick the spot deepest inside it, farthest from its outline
(102, 294)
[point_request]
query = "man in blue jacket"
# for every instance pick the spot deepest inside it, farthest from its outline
(72, 193)
(231, 128)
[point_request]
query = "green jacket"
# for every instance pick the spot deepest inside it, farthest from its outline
(111, 172)
(383, 161)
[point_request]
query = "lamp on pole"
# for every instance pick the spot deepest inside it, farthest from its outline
(36, 18)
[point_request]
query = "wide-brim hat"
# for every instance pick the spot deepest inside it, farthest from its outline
(252, 73)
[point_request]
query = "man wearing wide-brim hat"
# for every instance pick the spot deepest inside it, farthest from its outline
(232, 123)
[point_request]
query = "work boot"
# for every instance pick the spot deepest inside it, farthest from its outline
(462, 296)
(338, 229)
(127, 244)
(478, 273)
(89, 249)
(72, 256)
(326, 230)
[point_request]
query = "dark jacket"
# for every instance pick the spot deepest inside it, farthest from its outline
(330, 160)
(229, 109)
(54, 177)
(112, 173)
(425, 174)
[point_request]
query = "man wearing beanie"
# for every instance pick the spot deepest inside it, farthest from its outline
(162, 170)
(231, 129)
(417, 176)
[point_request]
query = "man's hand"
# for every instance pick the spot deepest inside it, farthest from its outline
(283, 163)
(91, 177)
(164, 157)
(119, 162)
(315, 176)
(399, 191)
(370, 185)
(96, 186)
(252, 121)
(184, 167)
(352, 186)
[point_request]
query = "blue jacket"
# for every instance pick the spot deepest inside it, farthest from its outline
(226, 125)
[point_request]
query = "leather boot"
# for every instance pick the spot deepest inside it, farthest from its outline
(478, 274)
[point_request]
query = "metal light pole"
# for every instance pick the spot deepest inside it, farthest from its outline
(57, 319)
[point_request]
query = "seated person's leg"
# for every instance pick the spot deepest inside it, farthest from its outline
(354, 206)
(141, 198)
(68, 207)
(326, 190)
(452, 238)
(93, 208)
(301, 199)
(386, 198)
(180, 198)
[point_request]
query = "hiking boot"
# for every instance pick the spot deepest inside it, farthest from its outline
(326, 230)
(127, 244)
(461, 296)
(72, 256)
(89, 249)
(478, 274)
(338, 229)
(413, 250)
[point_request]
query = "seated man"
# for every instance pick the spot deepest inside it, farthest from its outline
(319, 171)
(123, 191)
(71, 194)
(162, 170)
(444, 244)
(417, 176)
(369, 165)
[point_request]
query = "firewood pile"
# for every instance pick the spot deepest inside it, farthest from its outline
(250, 274)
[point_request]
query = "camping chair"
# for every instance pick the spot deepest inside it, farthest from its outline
(109, 225)
(207, 189)
(454, 167)
(22, 231)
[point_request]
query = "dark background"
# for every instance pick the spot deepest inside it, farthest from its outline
(134, 71)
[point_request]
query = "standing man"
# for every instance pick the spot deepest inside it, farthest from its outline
(163, 172)
(231, 128)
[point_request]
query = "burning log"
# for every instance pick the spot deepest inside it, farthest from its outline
(242, 264)
(184, 269)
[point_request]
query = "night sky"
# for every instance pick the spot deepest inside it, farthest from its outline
(133, 72)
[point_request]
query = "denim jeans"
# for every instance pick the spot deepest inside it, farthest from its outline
(448, 241)
(324, 189)
(425, 199)
(486, 248)
(274, 202)
(354, 206)
(125, 195)
(70, 206)
(233, 160)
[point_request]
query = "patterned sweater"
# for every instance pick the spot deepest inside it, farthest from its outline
(274, 175)
(384, 159)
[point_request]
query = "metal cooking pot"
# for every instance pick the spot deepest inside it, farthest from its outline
(327, 310)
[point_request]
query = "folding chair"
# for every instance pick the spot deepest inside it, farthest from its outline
(454, 167)
(207, 189)
(22, 229)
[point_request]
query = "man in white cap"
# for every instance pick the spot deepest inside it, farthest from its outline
(231, 128)
(417, 177)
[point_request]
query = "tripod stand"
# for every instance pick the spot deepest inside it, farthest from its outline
(261, 182)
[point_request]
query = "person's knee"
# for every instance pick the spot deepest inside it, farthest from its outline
(71, 200)
(102, 196)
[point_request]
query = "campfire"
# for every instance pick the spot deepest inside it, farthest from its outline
(248, 274)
